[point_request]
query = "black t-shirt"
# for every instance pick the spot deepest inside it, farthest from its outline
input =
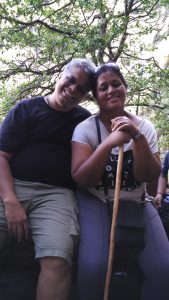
(39, 138)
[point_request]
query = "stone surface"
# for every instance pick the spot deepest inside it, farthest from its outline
(19, 272)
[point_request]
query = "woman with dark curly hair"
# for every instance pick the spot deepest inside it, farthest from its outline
(95, 149)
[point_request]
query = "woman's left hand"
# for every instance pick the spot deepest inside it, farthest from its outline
(124, 123)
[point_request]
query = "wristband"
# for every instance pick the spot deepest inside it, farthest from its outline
(137, 136)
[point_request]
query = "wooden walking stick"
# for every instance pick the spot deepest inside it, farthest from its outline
(114, 222)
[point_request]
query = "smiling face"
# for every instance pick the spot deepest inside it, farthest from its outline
(110, 93)
(71, 88)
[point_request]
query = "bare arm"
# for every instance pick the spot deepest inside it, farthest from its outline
(14, 212)
(162, 184)
(6, 182)
(151, 187)
(146, 164)
(161, 188)
(88, 165)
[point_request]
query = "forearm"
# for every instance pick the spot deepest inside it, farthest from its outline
(7, 190)
(89, 173)
(151, 187)
(146, 166)
(88, 165)
(162, 185)
(14, 212)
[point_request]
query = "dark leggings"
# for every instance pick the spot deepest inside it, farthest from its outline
(94, 247)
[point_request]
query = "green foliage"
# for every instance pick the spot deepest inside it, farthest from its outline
(38, 37)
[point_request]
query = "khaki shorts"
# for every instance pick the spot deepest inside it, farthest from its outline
(52, 215)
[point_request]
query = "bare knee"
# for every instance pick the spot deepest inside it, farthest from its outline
(55, 265)
(54, 279)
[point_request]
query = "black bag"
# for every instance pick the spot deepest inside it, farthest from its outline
(130, 225)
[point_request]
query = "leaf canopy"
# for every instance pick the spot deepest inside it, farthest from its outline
(38, 37)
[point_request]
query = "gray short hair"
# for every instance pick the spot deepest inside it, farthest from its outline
(87, 65)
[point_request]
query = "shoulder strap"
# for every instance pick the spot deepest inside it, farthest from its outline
(98, 129)
(109, 206)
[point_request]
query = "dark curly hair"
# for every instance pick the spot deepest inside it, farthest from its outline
(110, 66)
